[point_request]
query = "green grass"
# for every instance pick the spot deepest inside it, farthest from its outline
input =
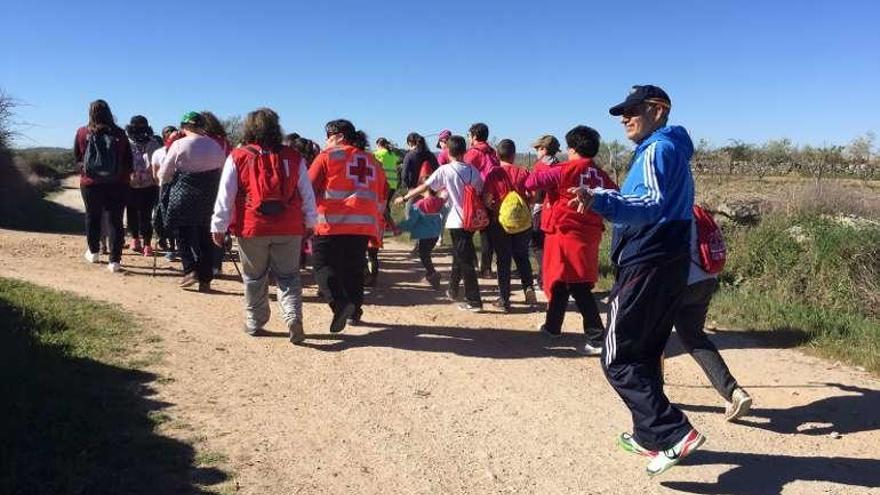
(811, 274)
(75, 415)
(843, 335)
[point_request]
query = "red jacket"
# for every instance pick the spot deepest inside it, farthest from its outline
(556, 181)
(123, 154)
(280, 170)
(571, 247)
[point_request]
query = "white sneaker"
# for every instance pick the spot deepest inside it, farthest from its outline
(666, 459)
(587, 350)
(739, 406)
(92, 257)
(114, 267)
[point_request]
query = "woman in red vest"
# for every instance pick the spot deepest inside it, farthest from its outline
(267, 201)
(350, 188)
(571, 246)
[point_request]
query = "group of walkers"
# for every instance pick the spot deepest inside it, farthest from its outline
(282, 196)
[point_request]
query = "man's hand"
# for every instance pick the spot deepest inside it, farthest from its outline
(218, 238)
(583, 198)
(399, 200)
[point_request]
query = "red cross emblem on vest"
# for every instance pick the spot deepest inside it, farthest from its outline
(360, 170)
(591, 178)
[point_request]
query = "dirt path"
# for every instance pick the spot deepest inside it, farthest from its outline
(426, 399)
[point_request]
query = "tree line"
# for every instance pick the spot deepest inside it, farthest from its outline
(858, 159)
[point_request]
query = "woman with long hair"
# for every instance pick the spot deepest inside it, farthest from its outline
(265, 188)
(104, 160)
(214, 129)
(419, 162)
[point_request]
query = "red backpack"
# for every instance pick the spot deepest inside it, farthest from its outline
(710, 242)
(474, 215)
(268, 194)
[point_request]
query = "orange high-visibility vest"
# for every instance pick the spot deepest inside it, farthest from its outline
(350, 192)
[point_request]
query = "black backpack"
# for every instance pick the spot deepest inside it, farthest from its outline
(100, 162)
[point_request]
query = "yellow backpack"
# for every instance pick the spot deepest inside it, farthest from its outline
(514, 214)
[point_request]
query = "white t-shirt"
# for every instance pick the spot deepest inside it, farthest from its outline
(452, 178)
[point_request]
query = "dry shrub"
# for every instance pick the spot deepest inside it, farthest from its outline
(834, 198)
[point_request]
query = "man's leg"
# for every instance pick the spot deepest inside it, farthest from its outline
(644, 303)
(284, 260)
(689, 323)
(254, 254)
(586, 303)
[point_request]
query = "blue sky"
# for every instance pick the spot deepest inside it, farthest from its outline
(806, 70)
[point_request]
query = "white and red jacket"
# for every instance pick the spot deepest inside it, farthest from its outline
(235, 209)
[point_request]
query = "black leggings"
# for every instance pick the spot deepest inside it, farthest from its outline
(99, 198)
(426, 247)
(141, 202)
(586, 304)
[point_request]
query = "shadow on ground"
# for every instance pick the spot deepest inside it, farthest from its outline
(765, 474)
(852, 413)
(38, 214)
(472, 342)
(783, 338)
(74, 425)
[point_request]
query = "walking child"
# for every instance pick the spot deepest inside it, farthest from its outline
(453, 179)
(424, 222)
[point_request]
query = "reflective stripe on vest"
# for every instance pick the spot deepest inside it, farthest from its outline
(346, 219)
(343, 194)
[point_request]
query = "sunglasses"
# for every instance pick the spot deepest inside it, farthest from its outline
(634, 111)
(329, 133)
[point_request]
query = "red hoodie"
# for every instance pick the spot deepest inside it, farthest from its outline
(482, 157)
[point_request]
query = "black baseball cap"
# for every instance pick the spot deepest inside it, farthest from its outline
(641, 94)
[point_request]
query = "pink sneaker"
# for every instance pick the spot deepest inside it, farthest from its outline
(148, 251)
(136, 245)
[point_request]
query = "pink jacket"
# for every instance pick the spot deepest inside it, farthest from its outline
(483, 158)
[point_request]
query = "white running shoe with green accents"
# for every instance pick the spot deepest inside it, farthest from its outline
(666, 459)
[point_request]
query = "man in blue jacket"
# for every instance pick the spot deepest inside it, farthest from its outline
(652, 216)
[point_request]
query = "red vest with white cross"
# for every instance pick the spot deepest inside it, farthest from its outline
(576, 173)
(354, 193)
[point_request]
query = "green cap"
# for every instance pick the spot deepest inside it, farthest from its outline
(193, 118)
